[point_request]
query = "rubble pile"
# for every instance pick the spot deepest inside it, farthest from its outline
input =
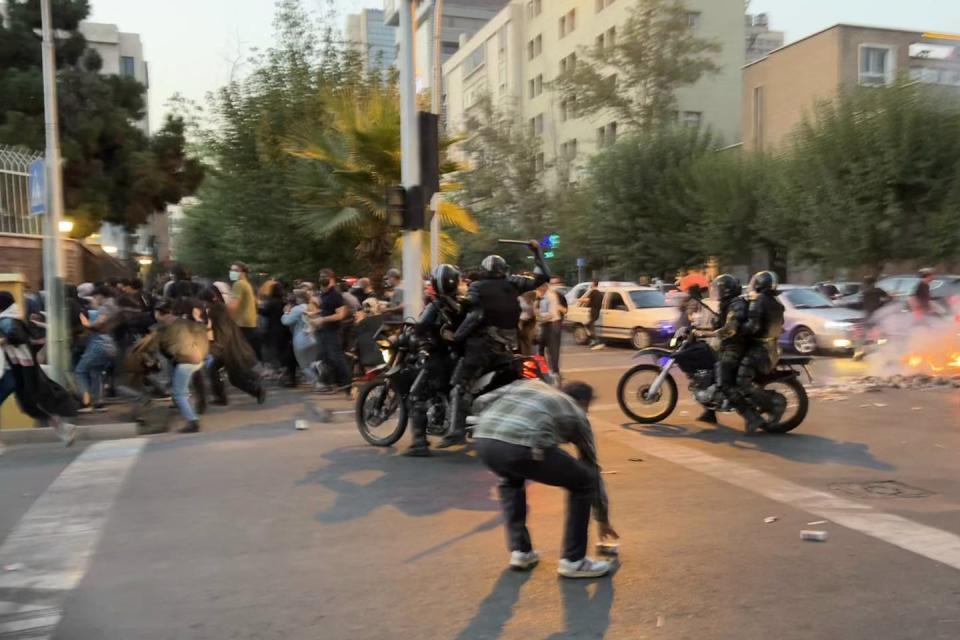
(872, 384)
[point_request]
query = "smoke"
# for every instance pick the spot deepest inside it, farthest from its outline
(910, 345)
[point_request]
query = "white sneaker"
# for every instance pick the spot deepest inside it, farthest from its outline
(586, 568)
(68, 433)
(598, 346)
(524, 561)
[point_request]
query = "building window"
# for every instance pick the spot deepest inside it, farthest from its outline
(502, 38)
(535, 47)
(568, 63)
(449, 48)
(538, 163)
(569, 149)
(568, 22)
(475, 60)
(693, 19)
(876, 64)
(534, 7)
(599, 41)
(611, 37)
(502, 78)
(600, 5)
(606, 135)
(127, 66)
(536, 85)
(536, 125)
(568, 108)
(691, 118)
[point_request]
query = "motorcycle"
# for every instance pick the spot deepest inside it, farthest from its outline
(383, 407)
(647, 393)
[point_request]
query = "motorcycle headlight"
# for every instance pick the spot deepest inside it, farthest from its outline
(833, 324)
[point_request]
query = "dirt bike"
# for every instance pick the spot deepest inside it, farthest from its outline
(647, 393)
(383, 406)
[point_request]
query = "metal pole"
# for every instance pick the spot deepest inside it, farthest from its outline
(437, 107)
(53, 271)
(410, 162)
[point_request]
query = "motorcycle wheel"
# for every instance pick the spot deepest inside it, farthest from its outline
(797, 405)
(632, 387)
(381, 413)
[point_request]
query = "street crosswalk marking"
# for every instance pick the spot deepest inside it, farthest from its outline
(929, 542)
(49, 551)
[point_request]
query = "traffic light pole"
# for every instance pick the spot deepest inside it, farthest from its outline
(53, 271)
(409, 162)
(437, 107)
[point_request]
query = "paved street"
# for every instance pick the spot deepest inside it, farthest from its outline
(253, 530)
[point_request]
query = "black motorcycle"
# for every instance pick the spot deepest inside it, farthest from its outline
(382, 406)
(648, 392)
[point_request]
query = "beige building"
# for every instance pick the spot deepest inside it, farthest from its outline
(782, 88)
(122, 55)
(525, 46)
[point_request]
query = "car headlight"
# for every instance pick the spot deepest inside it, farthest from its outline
(832, 324)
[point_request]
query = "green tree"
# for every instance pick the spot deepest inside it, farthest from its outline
(112, 171)
(503, 183)
(636, 78)
(872, 177)
(645, 217)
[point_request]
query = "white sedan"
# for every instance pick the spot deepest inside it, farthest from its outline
(630, 313)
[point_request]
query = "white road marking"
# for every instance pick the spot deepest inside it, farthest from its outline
(929, 542)
(56, 539)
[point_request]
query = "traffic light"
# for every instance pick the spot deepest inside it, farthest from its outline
(405, 207)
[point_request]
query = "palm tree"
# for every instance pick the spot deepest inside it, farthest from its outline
(345, 170)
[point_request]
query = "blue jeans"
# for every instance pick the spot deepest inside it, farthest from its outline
(331, 353)
(180, 390)
(96, 358)
(8, 384)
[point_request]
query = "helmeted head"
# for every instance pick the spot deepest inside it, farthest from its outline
(494, 266)
(726, 286)
(445, 280)
(764, 281)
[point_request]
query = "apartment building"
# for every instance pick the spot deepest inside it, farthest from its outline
(460, 21)
(375, 40)
(519, 52)
(782, 88)
(122, 55)
(761, 39)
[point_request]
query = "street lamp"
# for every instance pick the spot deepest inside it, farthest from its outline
(145, 261)
(65, 225)
(109, 249)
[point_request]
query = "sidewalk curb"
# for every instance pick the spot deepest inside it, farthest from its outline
(37, 435)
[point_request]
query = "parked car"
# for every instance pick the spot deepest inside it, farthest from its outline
(834, 290)
(812, 322)
(630, 313)
(577, 291)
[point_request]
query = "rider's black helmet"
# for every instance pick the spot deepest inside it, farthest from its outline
(494, 267)
(445, 280)
(764, 281)
(727, 286)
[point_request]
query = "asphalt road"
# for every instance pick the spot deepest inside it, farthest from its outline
(252, 530)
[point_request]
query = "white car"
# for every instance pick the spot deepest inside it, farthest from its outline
(630, 313)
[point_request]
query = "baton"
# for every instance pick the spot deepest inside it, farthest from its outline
(525, 243)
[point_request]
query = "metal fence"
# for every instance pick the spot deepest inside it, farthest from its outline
(15, 191)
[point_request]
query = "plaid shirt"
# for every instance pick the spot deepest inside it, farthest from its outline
(531, 413)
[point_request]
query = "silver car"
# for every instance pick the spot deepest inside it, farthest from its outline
(812, 322)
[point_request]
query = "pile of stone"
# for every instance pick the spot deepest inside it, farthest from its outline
(837, 390)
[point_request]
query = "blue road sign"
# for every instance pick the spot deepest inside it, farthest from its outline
(38, 188)
(581, 262)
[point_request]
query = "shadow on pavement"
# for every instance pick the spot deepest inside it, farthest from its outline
(486, 525)
(497, 608)
(415, 486)
(798, 447)
(586, 616)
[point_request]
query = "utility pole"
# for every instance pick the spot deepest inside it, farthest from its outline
(437, 108)
(53, 271)
(410, 162)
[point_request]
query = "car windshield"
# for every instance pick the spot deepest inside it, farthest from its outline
(807, 299)
(648, 299)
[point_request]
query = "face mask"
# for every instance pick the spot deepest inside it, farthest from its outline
(234, 276)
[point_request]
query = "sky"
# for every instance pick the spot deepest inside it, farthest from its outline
(194, 46)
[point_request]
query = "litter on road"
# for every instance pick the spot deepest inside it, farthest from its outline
(813, 536)
(770, 519)
(816, 522)
(301, 425)
(16, 566)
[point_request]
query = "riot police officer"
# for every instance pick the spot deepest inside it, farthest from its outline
(761, 334)
(488, 333)
(729, 321)
(435, 327)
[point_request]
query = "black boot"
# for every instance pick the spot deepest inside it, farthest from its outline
(709, 416)
(420, 447)
(753, 421)
(459, 433)
(191, 427)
